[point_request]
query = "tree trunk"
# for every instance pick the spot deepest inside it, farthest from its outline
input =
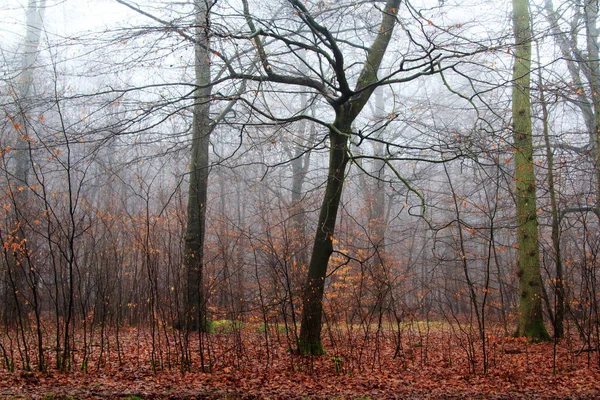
(531, 320)
(34, 15)
(583, 69)
(19, 188)
(300, 166)
(376, 211)
(195, 307)
(559, 290)
(377, 218)
(593, 72)
(310, 330)
(309, 341)
(577, 63)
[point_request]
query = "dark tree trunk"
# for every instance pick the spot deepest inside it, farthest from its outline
(310, 331)
(309, 341)
(195, 307)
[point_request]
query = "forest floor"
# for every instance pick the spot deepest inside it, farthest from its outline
(435, 365)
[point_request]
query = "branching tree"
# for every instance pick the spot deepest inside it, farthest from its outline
(574, 28)
(347, 108)
(531, 319)
(24, 94)
(345, 84)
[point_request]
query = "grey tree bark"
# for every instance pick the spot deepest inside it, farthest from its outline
(34, 16)
(377, 215)
(559, 289)
(309, 341)
(592, 71)
(584, 71)
(300, 155)
(19, 187)
(195, 307)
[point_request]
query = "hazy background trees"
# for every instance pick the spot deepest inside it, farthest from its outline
(426, 225)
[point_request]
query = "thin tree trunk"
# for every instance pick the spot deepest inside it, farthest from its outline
(300, 166)
(559, 291)
(581, 65)
(593, 73)
(22, 161)
(34, 15)
(377, 223)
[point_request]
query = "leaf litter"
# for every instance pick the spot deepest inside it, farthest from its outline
(241, 368)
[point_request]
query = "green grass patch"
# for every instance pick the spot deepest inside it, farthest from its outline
(226, 326)
(279, 328)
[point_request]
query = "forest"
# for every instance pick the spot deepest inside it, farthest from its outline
(241, 199)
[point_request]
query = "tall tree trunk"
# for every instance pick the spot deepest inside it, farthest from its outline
(195, 307)
(559, 290)
(300, 155)
(531, 319)
(377, 218)
(34, 16)
(580, 66)
(568, 48)
(300, 165)
(593, 72)
(309, 341)
(310, 329)
(377, 223)
(22, 162)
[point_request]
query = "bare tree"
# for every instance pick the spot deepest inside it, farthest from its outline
(346, 86)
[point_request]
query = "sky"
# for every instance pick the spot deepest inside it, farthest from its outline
(62, 18)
